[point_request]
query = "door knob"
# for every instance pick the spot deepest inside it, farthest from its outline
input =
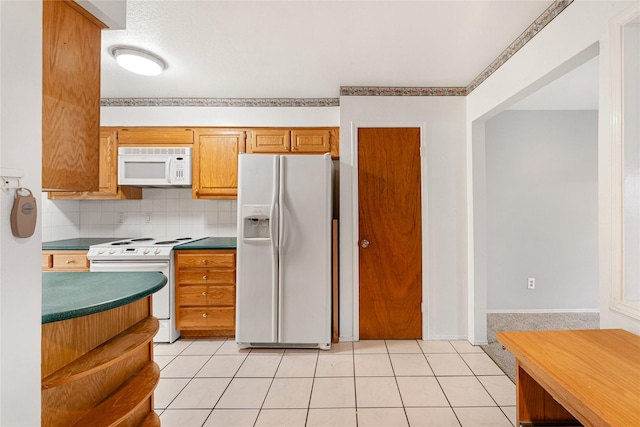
(364, 243)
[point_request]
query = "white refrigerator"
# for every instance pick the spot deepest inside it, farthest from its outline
(283, 283)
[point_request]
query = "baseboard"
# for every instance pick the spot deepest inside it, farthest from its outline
(542, 310)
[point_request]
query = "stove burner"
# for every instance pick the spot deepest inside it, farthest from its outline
(183, 238)
(120, 243)
(166, 242)
(142, 239)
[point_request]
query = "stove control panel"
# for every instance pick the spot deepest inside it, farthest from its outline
(128, 252)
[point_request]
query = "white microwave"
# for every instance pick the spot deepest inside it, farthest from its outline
(154, 166)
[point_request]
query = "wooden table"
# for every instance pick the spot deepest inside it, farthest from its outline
(591, 377)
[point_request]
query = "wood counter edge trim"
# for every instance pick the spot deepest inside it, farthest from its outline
(111, 411)
(107, 354)
(552, 385)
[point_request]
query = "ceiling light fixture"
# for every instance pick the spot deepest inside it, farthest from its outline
(138, 61)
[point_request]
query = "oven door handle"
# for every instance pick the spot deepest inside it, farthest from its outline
(127, 266)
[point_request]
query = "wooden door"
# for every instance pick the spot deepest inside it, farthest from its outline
(390, 240)
(215, 163)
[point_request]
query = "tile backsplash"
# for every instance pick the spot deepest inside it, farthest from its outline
(162, 212)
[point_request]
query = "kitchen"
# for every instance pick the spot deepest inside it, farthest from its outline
(447, 127)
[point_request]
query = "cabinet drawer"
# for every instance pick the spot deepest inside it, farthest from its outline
(77, 262)
(218, 260)
(207, 318)
(206, 295)
(203, 275)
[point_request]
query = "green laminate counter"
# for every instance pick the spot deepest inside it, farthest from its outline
(69, 295)
(210, 243)
(79, 244)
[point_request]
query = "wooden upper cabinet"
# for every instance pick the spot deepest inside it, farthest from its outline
(310, 141)
(70, 97)
(295, 140)
(215, 163)
(109, 188)
(269, 141)
(155, 136)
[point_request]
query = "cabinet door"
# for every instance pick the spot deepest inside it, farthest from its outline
(269, 141)
(70, 98)
(154, 136)
(108, 173)
(310, 141)
(215, 163)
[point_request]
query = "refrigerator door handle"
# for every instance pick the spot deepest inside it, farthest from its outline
(274, 215)
(281, 230)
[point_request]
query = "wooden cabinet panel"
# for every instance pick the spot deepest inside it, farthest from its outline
(197, 295)
(69, 261)
(294, 140)
(109, 188)
(207, 318)
(207, 276)
(154, 136)
(205, 292)
(215, 163)
(269, 141)
(207, 259)
(47, 261)
(310, 141)
(70, 98)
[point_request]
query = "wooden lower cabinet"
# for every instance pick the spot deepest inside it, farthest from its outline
(61, 260)
(206, 292)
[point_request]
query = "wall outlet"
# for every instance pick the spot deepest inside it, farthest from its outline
(147, 217)
(531, 283)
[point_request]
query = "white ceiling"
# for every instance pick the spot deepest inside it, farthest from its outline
(308, 49)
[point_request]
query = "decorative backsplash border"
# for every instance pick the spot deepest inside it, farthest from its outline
(532, 30)
(220, 102)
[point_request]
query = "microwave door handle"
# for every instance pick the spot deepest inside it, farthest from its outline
(167, 172)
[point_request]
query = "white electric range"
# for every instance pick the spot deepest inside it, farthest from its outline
(145, 254)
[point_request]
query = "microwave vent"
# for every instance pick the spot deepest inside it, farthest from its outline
(180, 151)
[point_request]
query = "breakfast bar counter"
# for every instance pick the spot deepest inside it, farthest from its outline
(563, 377)
(97, 346)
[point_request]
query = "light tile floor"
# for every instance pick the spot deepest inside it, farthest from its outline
(211, 383)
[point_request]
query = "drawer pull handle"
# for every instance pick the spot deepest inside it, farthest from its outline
(205, 293)
(204, 261)
(205, 277)
(204, 314)
(69, 261)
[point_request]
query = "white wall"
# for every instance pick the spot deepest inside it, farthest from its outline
(571, 39)
(443, 206)
(542, 204)
(220, 116)
(20, 148)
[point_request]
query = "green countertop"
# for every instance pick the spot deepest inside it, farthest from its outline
(79, 244)
(210, 243)
(69, 295)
